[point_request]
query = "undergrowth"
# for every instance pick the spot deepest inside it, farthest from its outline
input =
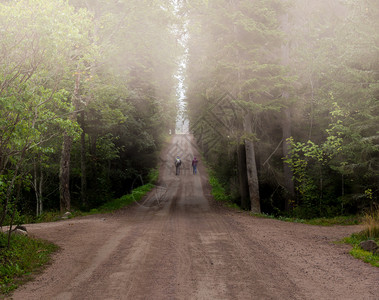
(110, 206)
(123, 201)
(218, 192)
(136, 195)
(338, 220)
(24, 257)
(370, 232)
(368, 257)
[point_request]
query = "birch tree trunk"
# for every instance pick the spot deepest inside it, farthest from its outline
(40, 199)
(38, 186)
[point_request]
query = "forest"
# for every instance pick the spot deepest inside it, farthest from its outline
(282, 97)
(83, 88)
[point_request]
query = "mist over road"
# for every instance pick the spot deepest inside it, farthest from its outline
(179, 244)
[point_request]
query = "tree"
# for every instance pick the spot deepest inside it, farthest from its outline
(131, 86)
(32, 103)
(240, 56)
(101, 68)
(327, 58)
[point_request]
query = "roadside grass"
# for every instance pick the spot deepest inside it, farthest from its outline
(368, 257)
(338, 220)
(371, 232)
(24, 257)
(108, 207)
(136, 195)
(123, 201)
(218, 192)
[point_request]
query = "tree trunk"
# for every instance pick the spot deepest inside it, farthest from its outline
(35, 184)
(251, 166)
(287, 172)
(242, 176)
(83, 162)
(64, 172)
(41, 192)
(286, 124)
(38, 185)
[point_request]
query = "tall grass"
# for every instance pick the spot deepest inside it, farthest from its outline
(371, 222)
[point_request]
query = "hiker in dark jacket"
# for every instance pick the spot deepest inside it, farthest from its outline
(178, 163)
(194, 165)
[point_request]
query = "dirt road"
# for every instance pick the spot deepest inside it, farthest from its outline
(178, 244)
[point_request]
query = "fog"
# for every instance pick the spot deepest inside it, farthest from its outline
(106, 81)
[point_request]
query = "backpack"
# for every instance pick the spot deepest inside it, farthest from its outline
(178, 162)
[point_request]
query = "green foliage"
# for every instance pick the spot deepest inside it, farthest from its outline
(234, 48)
(109, 206)
(105, 69)
(371, 232)
(35, 108)
(338, 220)
(218, 191)
(24, 257)
(308, 160)
(368, 257)
(125, 200)
(77, 71)
(153, 176)
(47, 216)
(347, 75)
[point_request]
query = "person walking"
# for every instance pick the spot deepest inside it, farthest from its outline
(194, 165)
(178, 163)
